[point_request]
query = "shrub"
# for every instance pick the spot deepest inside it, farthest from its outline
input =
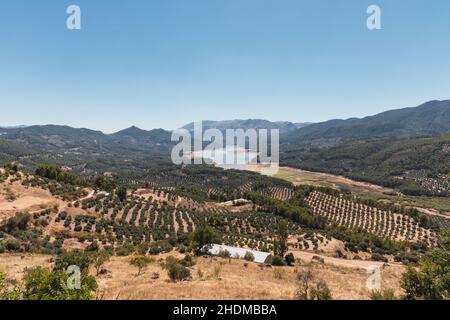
(277, 261)
(175, 270)
(18, 222)
(46, 284)
(7, 293)
(431, 280)
(311, 288)
(165, 246)
(224, 254)
(249, 256)
(154, 249)
(378, 257)
(123, 251)
(72, 258)
(188, 261)
(320, 291)
(182, 248)
(93, 247)
(290, 259)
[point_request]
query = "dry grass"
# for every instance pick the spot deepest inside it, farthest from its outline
(235, 281)
(13, 265)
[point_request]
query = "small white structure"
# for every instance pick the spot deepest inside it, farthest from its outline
(236, 202)
(260, 257)
(103, 193)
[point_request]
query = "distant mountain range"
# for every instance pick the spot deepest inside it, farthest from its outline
(283, 126)
(429, 119)
(302, 144)
(60, 138)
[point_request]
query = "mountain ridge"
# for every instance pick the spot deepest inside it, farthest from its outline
(428, 119)
(82, 145)
(245, 124)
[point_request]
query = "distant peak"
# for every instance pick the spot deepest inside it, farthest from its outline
(133, 130)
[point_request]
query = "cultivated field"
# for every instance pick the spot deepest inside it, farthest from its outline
(159, 222)
(354, 215)
(299, 177)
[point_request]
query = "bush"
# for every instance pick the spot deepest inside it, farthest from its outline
(290, 259)
(175, 270)
(7, 293)
(182, 248)
(154, 249)
(93, 247)
(165, 246)
(378, 257)
(431, 280)
(73, 258)
(249, 256)
(18, 222)
(62, 215)
(320, 292)
(224, 254)
(311, 288)
(124, 250)
(188, 261)
(46, 284)
(277, 261)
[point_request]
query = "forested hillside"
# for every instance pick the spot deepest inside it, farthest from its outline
(415, 165)
(429, 119)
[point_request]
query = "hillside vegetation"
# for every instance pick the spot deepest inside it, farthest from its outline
(414, 165)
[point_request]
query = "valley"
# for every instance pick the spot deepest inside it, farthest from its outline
(140, 226)
(159, 222)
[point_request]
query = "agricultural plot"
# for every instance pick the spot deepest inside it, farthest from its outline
(438, 184)
(155, 220)
(354, 215)
(279, 193)
(155, 216)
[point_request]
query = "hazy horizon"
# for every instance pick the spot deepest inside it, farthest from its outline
(204, 120)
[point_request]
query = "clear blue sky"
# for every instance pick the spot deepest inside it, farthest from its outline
(164, 63)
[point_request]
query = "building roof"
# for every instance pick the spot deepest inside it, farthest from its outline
(260, 257)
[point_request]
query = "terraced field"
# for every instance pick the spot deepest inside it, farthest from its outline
(355, 215)
(152, 216)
